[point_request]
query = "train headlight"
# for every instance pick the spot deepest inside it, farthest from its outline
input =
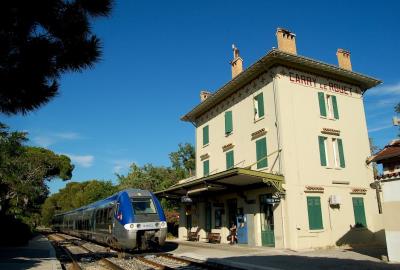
(163, 224)
(137, 225)
(157, 224)
(132, 226)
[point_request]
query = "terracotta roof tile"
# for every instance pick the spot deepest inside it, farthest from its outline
(391, 150)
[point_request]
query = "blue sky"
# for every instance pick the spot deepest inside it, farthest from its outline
(158, 56)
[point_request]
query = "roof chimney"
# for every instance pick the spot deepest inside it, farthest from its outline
(343, 58)
(204, 95)
(286, 40)
(237, 62)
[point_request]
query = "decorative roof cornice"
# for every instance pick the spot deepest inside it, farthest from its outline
(277, 57)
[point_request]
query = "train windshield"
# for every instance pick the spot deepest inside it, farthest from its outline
(143, 206)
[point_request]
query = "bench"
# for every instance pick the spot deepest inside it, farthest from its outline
(194, 236)
(214, 238)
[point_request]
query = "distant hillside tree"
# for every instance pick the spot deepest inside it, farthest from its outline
(184, 160)
(149, 177)
(75, 195)
(40, 40)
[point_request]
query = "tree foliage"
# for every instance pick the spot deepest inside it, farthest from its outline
(75, 195)
(40, 40)
(183, 160)
(24, 172)
(148, 177)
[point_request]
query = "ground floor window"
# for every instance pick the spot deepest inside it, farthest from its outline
(359, 212)
(218, 218)
(208, 217)
(314, 213)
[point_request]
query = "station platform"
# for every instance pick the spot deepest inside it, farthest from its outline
(38, 254)
(268, 258)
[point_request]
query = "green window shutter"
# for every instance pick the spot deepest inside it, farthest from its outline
(341, 153)
(261, 150)
(322, 107)
(206, 168)
(322, 151)
(314, 213)
(359, 212)
(205, 135)
(229, 160)
(335, 107)
(228, 122)
(260, 103)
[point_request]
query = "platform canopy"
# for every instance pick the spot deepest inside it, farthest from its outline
(236, 179)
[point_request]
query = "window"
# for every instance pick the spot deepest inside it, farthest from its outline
(229, 160)
(338, 154)
(206, 168)
(143, 206)
(258, 106)
(228, 123)
(261, 152)
(314, 213)
(328, 106)
(208, 217)
(205, 135)
(359, 212)
(218, 218)
(322, 151)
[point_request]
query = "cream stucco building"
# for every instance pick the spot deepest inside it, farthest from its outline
(280, 151)
(389, 184)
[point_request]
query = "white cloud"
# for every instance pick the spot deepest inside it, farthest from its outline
(83, 161)
(391, 89)
(43, 141)
(68, 135)
(380, 128)
(120, 165)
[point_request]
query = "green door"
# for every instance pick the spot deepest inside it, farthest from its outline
(359, 212)
(267, 221)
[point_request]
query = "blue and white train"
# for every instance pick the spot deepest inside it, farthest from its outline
(130, 219)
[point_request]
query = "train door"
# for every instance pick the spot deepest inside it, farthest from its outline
(267, 220)
(241, 227)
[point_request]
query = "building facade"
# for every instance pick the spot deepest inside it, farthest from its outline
(389, 184)
(280, 151)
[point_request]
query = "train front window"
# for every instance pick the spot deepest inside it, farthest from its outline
(143, 206)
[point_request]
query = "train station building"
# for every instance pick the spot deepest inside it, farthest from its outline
(281, 151)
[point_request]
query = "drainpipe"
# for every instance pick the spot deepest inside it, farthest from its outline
(274, 88)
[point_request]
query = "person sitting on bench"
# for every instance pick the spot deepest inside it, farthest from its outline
(232, 236)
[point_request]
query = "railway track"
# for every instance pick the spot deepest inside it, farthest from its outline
(80, 254)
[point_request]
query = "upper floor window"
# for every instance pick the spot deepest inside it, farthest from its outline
(336, 152)
(205, 135)
(229, 160)
(206, 168)
(323, 157)
(258, 106)
(228, 122)
(261, 153)
(328, 106)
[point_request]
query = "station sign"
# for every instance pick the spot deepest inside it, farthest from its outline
(186, 199)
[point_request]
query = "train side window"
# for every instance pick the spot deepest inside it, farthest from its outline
(116, 209)
(98, 216)
(109, 214)
(105, 215)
